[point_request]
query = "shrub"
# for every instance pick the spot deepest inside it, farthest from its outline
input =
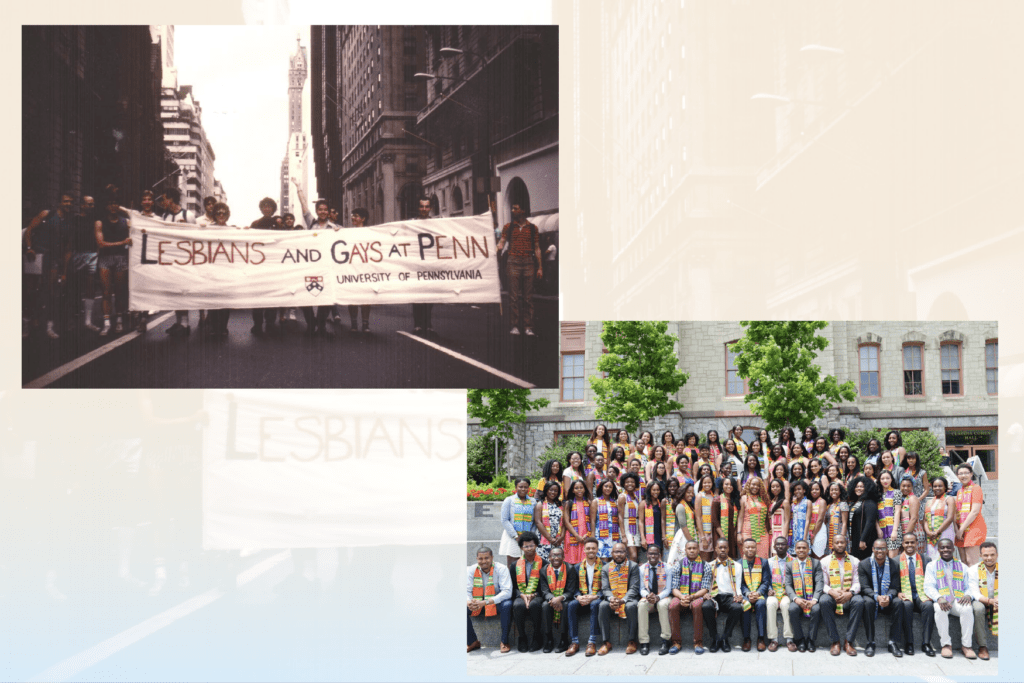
(480, 459)
(559, 451)
(483, 492)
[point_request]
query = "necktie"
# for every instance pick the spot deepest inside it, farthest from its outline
(913, 583)
(654, 580)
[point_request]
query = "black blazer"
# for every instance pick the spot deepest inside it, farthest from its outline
(540, 586)
(632, 585)
(862, 528)
(867, 586)
(766, 579)
(572, 583)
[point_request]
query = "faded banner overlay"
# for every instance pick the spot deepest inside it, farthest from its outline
(445, 260)
(299, 468)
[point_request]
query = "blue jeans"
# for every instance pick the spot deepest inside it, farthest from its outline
(504, 615)
(595, 627)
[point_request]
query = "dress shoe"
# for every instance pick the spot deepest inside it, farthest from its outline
(524, 645)
(675, 649)
(983, 653)
(928, 649)
(573, 649)
(474, 646)
(536, 645)
(849, 649)
(645, 649)
(631, 647)
(665, 647)
(895, 650)
(591, 650)
(869, 651)
(773, 646)
(715, 646)
(969, 653)
(605, 649)
(724, 645)
(811, 645)
(908, 649)
(803, 645)
(791, 646)
(549, 645)
(698, 650)
(746, 644)
(562, 646)
(760, 645)
(835, 649)
(505, 648)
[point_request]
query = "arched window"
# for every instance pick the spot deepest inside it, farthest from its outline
(457, 203)
(516, 193)
(408, 200)
(435, 206)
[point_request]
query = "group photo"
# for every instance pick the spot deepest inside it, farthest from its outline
(846, 534)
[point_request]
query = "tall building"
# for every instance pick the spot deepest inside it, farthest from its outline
(294, 164)
(365, 99)
(186, 141)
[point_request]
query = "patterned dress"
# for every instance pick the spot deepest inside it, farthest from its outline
(754, 522)
(798, 524)
(976, 532)
(934, 516)
(554, 523)
(889, 508)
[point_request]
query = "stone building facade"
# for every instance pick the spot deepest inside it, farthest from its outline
(958, 404)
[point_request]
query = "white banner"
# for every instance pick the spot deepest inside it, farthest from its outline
(442, 260)
(318, 469)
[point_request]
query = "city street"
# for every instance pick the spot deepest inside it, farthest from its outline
(471, 347)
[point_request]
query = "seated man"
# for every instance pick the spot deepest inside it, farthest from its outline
(620, 588)
(983, 583)
(805, 584)
(692, 584)
(945, 582)
(726, 595)
(655, 594)
(526, 592)
(879, 580)
(757, 580)
(777, 598)
(559, 584)
(842, 595)
(912, 568)
(589, 572)
(489, 592)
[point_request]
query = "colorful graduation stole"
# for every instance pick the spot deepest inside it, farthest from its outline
(659, 571)
(580, 516)
(527, 585)
(991, 613)
(835, 519)
(833, 575)
(618, 577)
(964, 497)
(556, 582)
(691, 523)
(932, 519)
(752, 576)
(705, 513)
(484, 589)
(775, 564)
(632, 507)
(607, 519)
(545, 516)
(714, 576)
(649, 524)
(594, 587)
(642, 491)
(670, 523)
(602, 447)
(756, 514)
(881, 587)
(887, 513)
(724, 508)
(947, 584)
(905, 574)
(690, 575)
(522, 515)
(803, 582)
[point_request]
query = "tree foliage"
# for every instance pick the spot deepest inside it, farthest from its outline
(642, 373)
(785, 385)
(922, 441)
(499, 410)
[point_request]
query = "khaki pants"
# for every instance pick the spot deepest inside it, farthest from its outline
(521, 291)
(980, 624)
(773, 605)
(966, 615)
(643, 613)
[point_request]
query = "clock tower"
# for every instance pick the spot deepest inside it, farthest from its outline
(294, 163)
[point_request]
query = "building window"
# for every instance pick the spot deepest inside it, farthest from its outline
(992, 365)
(409, 70)
(951, 375)
(734, 384)
(869, 370)
(913, 370)
(572, 377)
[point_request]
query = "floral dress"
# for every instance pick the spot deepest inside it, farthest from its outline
(554, 523)
(889, 507)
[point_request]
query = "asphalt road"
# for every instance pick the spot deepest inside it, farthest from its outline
(383, 358)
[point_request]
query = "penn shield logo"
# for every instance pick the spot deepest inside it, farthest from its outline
(314, 284)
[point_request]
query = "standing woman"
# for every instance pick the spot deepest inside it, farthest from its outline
(629, 512)
(597, 473)
(657, 455)
(552, 472)
(778, 511)
(797, 472)
(765, 439)
(821, 451)
(644, 447)
(741, 445)
(759, 453)
(599, 438)
(910, 511)
(705, 459)
(660, 474)
(939, 517)
(888, 464)
(752, 469)
(218, 326)
(573, 472)
(725, 515)
(970, 524)
(604, 518)
(871, 471)
(851, 465)
(810, 436)
(819, 528)
(732, 454)
(714, 447)
(894, 444)
(618, 459)
(816, 473)
(838, 513)
(652, 512)
(797, 454)
(577, 521)
(691, 446)
(754, 515)
(588, 462)
(874, 451)
(686, 523)
(548, 519)
(780, 471)
(911, 466)
(668, 503)
(683, 469)
(778, 454)
(516, 518)
(704, 471)
(832, 473)
(837, 438)
(623, 443)
(863, 495)
(786, 439)
(890, 503)
(636, 468)
(668, 440)
(703, 503)
(800, 515)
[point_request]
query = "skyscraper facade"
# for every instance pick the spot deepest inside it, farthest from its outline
(294, 164)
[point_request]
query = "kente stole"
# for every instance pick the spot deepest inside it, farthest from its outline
(756, 515)
(618, 577)
(607, 519)
(991, 613)
(905, 574)
(483, 589)
(690, 575)
(778, 588)
(649, 524)
(705, 513)
(522, 515)
(580, 516)
(752, 576)
(803, 582)
(724, 516)
(964, 498)
(887, 512)
(632, 508)
(835, 519)
(834, 575)
(556, 582)
(592, 588)
(950, 578)
(527, 585)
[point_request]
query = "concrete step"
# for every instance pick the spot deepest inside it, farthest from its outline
(488, 630)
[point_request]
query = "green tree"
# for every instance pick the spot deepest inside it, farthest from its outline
(921, 441)
(499, 410)
(785, 386)
(642, 373)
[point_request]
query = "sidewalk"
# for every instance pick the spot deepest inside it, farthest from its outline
(490, 662)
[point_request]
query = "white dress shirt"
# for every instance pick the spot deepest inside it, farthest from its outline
(502, 582)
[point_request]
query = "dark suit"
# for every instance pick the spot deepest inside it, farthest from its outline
(519, 608)
(918, 602)
(760, 606)
(569, 604)
(796, 613)
(632, 597)
(894, 610)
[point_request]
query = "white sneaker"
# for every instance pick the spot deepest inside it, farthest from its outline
(106, 328)
(515, 330)
(529, 332)
(50, 332)
(92, 328)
